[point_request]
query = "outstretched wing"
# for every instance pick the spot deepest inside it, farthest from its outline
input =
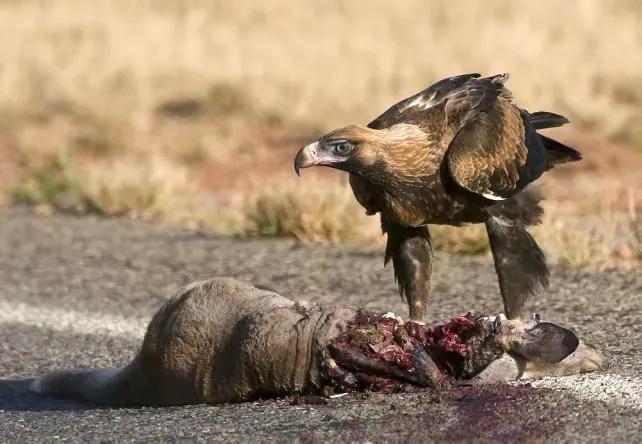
(414, 109)
(495, 151)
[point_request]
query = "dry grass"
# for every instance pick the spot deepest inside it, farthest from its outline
(178, 111)
(122, 189)
(163, 192)
(320, 211)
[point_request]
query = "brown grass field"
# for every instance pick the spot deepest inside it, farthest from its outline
(190, 112)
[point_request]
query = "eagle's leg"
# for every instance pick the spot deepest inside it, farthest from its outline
(519, 262)
(411, 254)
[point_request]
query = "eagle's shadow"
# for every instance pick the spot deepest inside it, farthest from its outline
(15, 396)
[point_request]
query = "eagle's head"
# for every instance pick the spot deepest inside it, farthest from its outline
(365, 151)
(348, 149)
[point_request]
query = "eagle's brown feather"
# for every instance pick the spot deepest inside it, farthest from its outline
(489, 153)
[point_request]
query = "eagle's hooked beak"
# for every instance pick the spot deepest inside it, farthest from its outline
(316, 154)
(307, 157)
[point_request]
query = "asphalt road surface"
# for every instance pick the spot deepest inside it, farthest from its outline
(76, 292)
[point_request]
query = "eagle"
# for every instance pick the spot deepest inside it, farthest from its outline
(458, 152)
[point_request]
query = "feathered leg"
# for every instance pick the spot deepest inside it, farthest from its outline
(411, 254)
(519, 262)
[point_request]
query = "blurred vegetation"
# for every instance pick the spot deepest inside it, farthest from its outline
(190, 112)
(55, 183)
(317, 212)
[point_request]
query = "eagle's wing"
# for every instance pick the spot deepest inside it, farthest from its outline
(414, 109)
(495, 151)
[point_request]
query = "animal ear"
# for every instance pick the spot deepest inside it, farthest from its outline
(546, 342)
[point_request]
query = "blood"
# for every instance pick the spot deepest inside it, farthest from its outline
(450, 336)
(394, 354)
(447, 343)
(383, 339)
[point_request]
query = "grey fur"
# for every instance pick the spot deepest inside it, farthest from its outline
(217, 341)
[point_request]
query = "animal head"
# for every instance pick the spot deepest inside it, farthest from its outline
(535, 340)
(536, 349)
(362, 150)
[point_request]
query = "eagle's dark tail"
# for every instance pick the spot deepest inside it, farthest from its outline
(545, 119)
(519, 262)
(555, 151)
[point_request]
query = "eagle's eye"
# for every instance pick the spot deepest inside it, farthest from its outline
(342, 147)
